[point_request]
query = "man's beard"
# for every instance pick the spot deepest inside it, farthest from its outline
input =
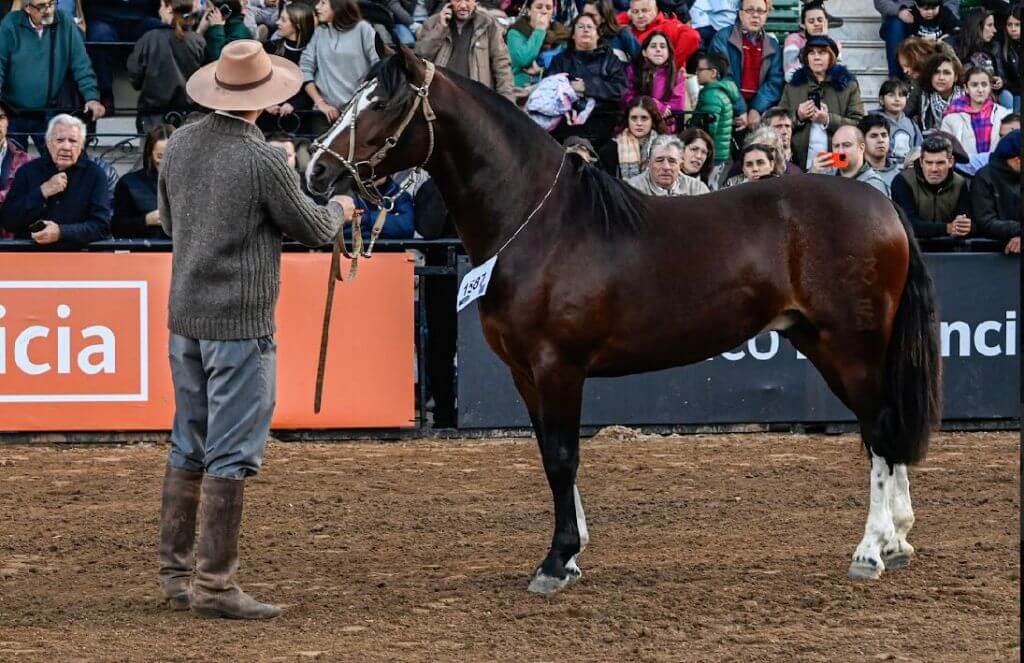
(46, 20)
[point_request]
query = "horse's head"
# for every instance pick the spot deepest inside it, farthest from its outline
(385, 128)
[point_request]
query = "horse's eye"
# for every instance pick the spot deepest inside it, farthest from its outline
(378, 106)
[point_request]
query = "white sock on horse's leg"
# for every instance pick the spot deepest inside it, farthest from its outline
(867, 558)
(581, 527)
(897, 551)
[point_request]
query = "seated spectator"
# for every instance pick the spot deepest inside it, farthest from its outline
(970, 165)
(896, 19)
(664, 176)
(781, 122)
(934, 21)
(755, 63)
(758, 161)
(653, 74)
(877, 148)
(904, 134)
(135, 210)
(62, 190)
(610, 33)
(913, 54)
(718, 96)
(813, 22)
(1008, 55)
(161, 63)
(978, 47)
(974, 118)
(222, 23)
(265, 13)
(995, 198)
(698, 153)
(823, 96)
(643, 18)
(935, 199)
(112, 21)
(848, 143)
(709, 16)
(337, 58)
(628, 153)
(531, 34)
(37, 44)
(470, 43)
(939, 85)
(410, 15)
(595, 74)
(295, 28)
(399, 223)
(11, 156)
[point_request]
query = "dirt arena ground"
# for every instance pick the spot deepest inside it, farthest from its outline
(704, 548)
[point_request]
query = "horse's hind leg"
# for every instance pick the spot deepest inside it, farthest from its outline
(897, 552)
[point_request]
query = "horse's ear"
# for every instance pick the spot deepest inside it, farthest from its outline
(412, 64)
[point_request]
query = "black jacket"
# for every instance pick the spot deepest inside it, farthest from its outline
(159, 66)
(82, 211)
(995, 198)
(603, 74)
(134, 198)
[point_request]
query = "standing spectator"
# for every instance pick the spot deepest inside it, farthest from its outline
(653, 74)
(161, 63)
(877, 147)
(974, 118)
(628, 153)
(755, 63)
(610, 33)
(531, 34)
(72, 8)
(939, 85)
(813, 22)
(935, 199)
(41, 51)
(848, 143)
(223, 22)
(470, 43)
(643, 18)
(718, 96)
(337, 58)
(113, 21)
(410, 15)
(823, 96)
(664, 176)
(135, 206)
(896, 17)
(594, 74)
(698, 153)
(1008, 55)
(295, 28)
(995, 197)
(904, 134)
(62, 190)
(978, 47)
(710, 16)
(934, 21)
(11, 156)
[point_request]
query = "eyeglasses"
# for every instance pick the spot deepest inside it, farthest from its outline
(755, 12)
(44, 7)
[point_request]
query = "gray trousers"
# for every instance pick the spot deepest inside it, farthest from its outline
(224, 397)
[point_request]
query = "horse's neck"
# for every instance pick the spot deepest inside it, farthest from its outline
(489, 182)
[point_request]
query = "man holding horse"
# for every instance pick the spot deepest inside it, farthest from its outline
(225, 198)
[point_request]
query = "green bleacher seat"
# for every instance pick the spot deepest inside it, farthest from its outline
(784, 18)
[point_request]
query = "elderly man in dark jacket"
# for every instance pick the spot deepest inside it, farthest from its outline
(62, 197)
(996, 193)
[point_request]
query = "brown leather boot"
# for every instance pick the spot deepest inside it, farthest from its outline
(213, 592)
(178, 533)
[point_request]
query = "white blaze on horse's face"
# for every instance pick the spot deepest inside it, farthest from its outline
(365, 98)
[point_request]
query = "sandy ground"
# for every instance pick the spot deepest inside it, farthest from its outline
(704, 548)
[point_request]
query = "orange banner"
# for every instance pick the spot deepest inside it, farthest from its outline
(83, 343)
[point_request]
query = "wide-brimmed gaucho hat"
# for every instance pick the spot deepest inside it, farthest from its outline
(245, 78)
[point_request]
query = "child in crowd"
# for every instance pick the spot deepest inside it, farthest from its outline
(717, 96)
(904, 134)
(974, 118)
(653, 74)
(933, 20)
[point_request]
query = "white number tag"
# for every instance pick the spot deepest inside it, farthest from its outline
(474, 284)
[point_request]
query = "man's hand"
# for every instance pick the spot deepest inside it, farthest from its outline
(1013, 246)
(959, 227)
(48, 235)
(445, 15)
(96, 109)
(55, 185)
(753, 118)
(153, 218)
(329, 111)
(348, 207)
(905, 15)
(822, 163)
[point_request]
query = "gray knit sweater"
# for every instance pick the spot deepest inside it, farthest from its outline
(226, 198)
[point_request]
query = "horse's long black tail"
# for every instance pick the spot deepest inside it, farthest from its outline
(912, 388)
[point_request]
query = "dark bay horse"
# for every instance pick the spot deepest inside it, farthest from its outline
(605, 282)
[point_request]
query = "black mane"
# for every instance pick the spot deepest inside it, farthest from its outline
(392, 83)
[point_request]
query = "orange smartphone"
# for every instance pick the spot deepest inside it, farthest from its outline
(839, 160)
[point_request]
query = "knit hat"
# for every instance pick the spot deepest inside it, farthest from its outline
(1009, 145)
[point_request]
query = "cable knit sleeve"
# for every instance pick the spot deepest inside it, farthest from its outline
(288, 207)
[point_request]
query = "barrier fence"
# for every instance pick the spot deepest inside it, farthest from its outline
(83, 348)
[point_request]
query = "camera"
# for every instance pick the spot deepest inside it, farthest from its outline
(37, 226)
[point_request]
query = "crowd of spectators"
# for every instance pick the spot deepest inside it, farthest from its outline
(673, 98)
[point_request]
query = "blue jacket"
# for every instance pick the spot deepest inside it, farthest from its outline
(82, 211)
(400, 223)
(729, 42)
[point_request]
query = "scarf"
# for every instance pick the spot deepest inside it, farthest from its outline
(933, 107)
(981, 120)
(633, 153)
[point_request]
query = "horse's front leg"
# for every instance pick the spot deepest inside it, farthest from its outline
(559, 393)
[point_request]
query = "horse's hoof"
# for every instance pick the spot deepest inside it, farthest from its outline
(896, 560)
(865, 570)
(547, 585)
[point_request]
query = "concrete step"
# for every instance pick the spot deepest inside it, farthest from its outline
(846, 8)
(857, 27)
(860, 54)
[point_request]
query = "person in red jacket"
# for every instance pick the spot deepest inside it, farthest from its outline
(644, 18)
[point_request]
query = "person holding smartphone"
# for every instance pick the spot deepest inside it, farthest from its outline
(223, 22)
